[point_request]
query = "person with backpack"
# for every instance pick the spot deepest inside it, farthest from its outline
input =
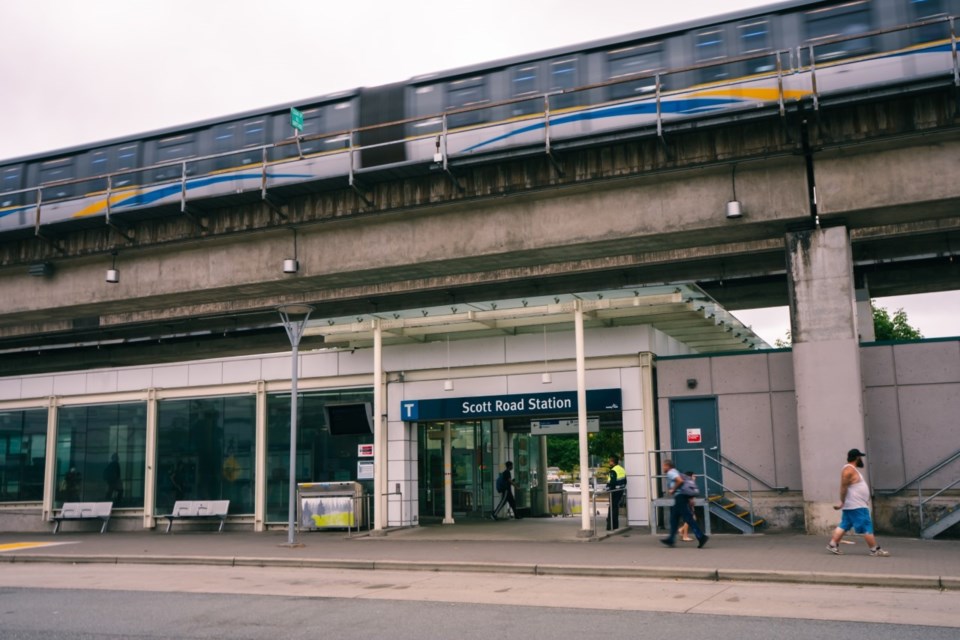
(504, 486)
(682, 488)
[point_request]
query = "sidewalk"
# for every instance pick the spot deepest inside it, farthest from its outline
(536, 546)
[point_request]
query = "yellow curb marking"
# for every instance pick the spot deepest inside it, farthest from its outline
(16, 546)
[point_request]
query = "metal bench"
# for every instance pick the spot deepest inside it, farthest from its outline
(198, 510)
(84, 511)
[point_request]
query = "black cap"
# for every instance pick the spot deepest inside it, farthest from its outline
(853, 454)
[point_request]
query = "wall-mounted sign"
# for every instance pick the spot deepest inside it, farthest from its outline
(553, 426)
(364, 450)
(364, 470)
(694, 436)
(520, 404)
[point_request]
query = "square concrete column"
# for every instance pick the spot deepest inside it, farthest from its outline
(826, 365)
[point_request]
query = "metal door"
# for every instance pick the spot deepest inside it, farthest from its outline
(694, 429)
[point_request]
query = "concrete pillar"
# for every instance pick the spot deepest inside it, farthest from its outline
(865, 316)
(826, 365)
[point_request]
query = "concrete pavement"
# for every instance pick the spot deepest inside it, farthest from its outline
(532, 546)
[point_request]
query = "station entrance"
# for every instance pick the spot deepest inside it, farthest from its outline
(473, 467)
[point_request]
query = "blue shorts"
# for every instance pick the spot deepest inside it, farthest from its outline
(857, 519)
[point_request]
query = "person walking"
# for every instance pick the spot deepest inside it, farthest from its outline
(855, 506)
(681, 506)
(505, 485)
(616, 485)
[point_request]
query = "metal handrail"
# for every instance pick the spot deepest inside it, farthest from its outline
(753, 475)
(709, 479)
(924, 475)
(352, 148)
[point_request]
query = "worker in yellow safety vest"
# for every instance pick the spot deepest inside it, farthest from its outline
(616, 485)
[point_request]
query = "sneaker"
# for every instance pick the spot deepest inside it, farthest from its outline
(702, 542)
(879, 553)
(834, 549)
(666, 541)
(493, 517)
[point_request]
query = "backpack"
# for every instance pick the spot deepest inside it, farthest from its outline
(501, 483)
(689, 486)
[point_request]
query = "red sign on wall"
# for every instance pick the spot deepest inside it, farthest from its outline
(693, 436)
(364, 450)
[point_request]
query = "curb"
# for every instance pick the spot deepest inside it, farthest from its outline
(903, 581)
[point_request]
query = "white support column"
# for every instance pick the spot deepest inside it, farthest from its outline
(586, 527)
(50, 468)
(379, 435)
(260, 460)
(150, 460)
(542, 477)
(826, 365)
(447, 476)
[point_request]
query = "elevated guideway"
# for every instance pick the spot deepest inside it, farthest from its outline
(634, 209)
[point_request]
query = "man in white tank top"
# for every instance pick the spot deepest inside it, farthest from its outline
(855, 505)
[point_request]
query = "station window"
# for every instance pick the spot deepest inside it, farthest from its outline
(469, 92)
(23, 454)
(205, 451)
(928, 10)
(320, 456)
(641, 59)
(839, 21)
(89, 439)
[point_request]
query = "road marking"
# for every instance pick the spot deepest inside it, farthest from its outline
(17, 546)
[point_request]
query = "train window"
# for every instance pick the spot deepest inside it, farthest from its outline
(563, 77)
(54, 170)
(10, 181)
(523, 83)
(172, 149)
(927, 10)
(99, 162)
(709, 48)
(126, 158)
(838, 21)
(312, 125)
(755, 39)
(641, 59)
(469, 92)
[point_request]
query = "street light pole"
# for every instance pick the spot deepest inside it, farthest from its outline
(294, 318)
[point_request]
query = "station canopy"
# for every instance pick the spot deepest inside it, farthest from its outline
(684, 312)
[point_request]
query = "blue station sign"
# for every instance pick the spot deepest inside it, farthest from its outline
(508, 406)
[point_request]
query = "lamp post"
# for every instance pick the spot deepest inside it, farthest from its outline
(294, 318)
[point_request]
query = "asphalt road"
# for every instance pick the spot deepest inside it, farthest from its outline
(143, 601)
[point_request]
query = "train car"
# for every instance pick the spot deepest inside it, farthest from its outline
(724, 66)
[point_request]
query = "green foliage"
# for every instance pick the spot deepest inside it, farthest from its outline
(895, 328)
(563, 451)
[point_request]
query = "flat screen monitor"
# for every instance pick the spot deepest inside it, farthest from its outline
(349, 418)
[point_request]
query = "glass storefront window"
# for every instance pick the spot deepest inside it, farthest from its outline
(101, 453)
(23, 454)
(205, 451)
(321, 457)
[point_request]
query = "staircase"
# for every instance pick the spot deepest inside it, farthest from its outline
(946, 520)
(735, 515)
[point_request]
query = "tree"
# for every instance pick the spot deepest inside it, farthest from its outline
(895, 328)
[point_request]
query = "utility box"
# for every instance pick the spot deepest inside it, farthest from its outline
(330, 505)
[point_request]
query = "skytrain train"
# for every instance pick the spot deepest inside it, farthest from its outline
(769, 57)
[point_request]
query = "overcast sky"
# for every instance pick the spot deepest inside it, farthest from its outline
(76, 71)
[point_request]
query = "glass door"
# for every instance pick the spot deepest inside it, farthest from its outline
(470, 467)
